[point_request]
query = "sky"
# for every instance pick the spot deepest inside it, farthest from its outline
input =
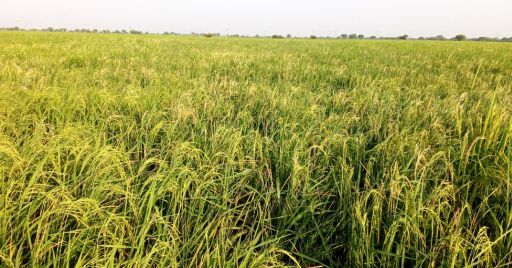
(492, 18)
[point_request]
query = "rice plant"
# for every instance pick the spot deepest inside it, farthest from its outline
(166, 151)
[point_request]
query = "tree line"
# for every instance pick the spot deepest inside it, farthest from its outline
(459, 37)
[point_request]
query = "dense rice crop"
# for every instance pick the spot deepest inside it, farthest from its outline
(163, 151)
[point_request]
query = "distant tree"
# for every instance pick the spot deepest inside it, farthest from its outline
(208, 35)
(124, 31)
(313, 37)
(438, 38)
(352, 36)
(276, 36)
(135, 32)
(373, 37)
(460, 37)
(486, 39)
(344, 36)
(288, 36)
(360, 36)
(16, 29)
(403, 37)
(421, 38)
(506, 39)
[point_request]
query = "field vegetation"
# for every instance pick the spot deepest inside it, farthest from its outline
(168, 151)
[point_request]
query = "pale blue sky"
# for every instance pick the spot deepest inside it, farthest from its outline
(298, 17)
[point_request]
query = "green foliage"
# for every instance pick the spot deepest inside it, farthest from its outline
(460, 37)
(439, 38)
(487, 39)
(170, 151)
